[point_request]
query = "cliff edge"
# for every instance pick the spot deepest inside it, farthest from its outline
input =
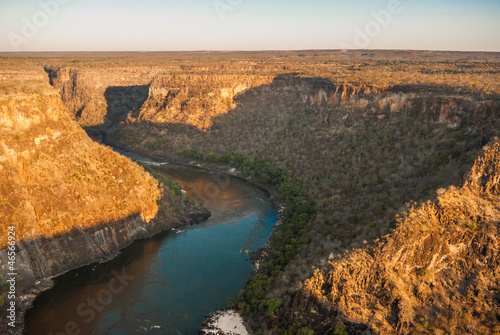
(66, 201)
(438, 272)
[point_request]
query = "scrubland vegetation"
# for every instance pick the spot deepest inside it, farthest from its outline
(373, 155)
(360, 180)
(365, 149)
(54, 178)
(285, 242)
(437, 272)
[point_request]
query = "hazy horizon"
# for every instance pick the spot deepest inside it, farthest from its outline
(238, 25)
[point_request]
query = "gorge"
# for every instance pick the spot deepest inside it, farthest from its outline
(390, 182)
(177, 277)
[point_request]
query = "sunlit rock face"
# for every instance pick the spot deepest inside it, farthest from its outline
(69, 200)
(368, 145)
(444, 251)
(144, 94)
(195, 99)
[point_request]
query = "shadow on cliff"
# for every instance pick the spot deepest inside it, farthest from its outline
(260, 123)
(322, 99)
(265, 123)
(268, 125)
(125, 101)
(89, 281)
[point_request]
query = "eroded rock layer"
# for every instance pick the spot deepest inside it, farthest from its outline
(68, 200)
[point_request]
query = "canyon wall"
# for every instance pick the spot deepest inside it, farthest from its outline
(438, 272)
(166, 95)
(339, 103)
(365, 151)
(160, 94)
(97, 97)
(69, 200)
(194, 99)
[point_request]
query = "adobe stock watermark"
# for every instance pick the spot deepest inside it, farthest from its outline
(212, 190)
(31, 27)
(372, 29)
(224, 6)
(88, 309)
(11, 275)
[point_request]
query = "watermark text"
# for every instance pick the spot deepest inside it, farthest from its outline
(222, 7)
(373, 28)
(11, 276)
(30, 27)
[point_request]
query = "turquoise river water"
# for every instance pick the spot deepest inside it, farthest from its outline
(166, 284)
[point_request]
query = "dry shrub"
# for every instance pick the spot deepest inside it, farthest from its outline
(54, 178)
(437, 272)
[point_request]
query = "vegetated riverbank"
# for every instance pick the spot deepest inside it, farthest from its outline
(184, 160)
(258, 256)
(194, 262)
(275, 248)
(282, 248)
(69, 200)
(366, 145)
(287, 238)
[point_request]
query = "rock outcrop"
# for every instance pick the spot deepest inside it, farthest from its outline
(98, 98)
(438, 272)
(103, 97)
(366, 146)
(68, 200)
(194, 99)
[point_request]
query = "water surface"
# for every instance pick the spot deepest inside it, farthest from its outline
(166, 284)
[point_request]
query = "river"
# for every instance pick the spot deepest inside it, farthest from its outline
(168, 283)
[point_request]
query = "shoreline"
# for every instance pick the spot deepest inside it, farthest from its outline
(27, 295)
(100, 137)
(224, 321)
(258, 255)
(218, 321)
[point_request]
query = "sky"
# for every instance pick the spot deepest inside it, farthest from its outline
(167, 25)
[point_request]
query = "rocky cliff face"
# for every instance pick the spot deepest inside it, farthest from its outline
(438, 272)
(69, 200)
(194, 99)
(100, 98)
(339, 103)
(77, 91)
(365, 151)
